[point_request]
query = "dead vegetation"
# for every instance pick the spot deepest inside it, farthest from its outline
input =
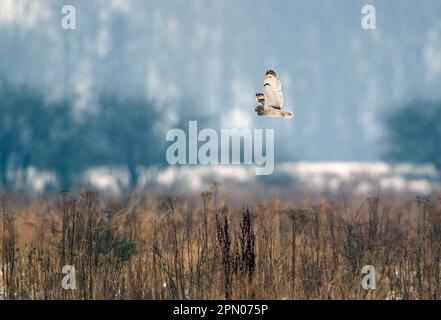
(172, 249)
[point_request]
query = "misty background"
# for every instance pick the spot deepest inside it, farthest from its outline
(81, 105)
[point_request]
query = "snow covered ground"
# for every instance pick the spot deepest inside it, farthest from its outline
(358, 177)
(313, 177)
(364, 177)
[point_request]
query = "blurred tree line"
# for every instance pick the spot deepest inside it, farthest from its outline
(47, 136)
(414, 133)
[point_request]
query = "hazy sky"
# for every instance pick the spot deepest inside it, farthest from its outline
(204, 60)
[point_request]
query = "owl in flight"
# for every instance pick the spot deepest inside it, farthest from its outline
(271, 100)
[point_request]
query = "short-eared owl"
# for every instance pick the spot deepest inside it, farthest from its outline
(271, 100)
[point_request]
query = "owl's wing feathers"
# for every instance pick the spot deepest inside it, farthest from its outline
(272, 90)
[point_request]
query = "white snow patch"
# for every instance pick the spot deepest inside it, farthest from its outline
(358, 177)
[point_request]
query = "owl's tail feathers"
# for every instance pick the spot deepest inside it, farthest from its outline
(287, 114)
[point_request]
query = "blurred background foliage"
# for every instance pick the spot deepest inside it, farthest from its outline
(106, 93)
(414, 133)
(48, 137)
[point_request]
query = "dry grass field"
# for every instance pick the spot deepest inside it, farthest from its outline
(171, 248)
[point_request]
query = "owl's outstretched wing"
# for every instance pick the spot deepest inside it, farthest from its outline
(272, 90)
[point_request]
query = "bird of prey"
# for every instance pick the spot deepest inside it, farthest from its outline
(271, 100)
